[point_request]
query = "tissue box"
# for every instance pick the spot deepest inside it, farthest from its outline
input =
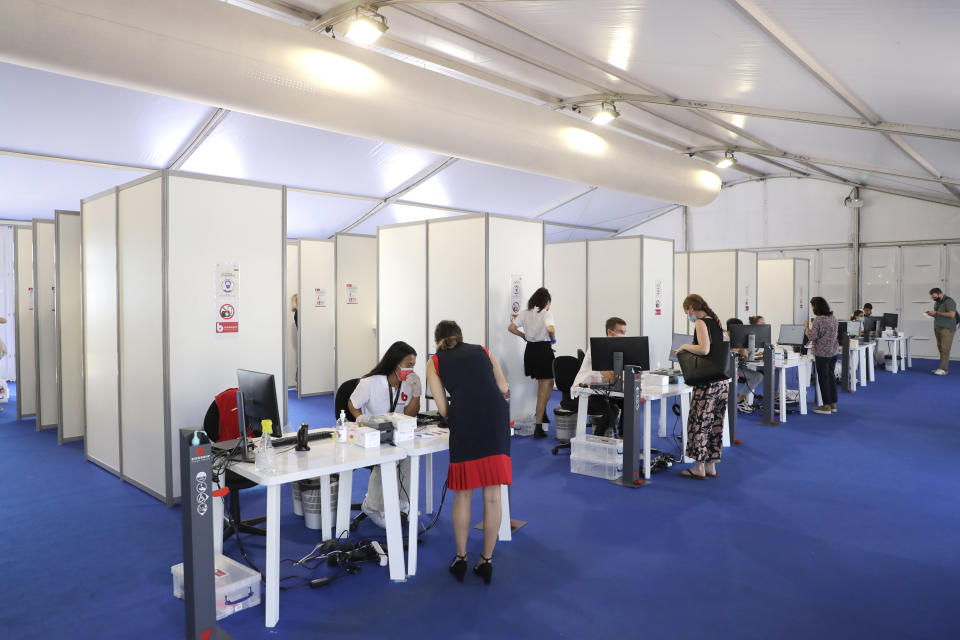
(366, 437)
(401, 421)
(654, 380)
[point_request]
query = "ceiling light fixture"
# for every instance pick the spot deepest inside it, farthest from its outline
(728, 160)
(365, 29)
(608, 112)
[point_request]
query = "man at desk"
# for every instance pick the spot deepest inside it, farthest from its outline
(615, 328)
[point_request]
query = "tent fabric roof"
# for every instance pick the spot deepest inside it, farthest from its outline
(867, 61)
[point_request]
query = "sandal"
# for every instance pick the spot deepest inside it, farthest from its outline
(687, 473)
(484, 569)
(459, 567)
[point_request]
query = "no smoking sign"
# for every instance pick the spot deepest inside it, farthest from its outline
(227, 311)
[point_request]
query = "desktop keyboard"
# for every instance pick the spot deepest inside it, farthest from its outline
(311, 435)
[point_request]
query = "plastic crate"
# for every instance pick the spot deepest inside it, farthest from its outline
(237, 586)
(597, 448)
(596, 469)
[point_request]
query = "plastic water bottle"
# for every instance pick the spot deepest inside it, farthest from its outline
(342, 427)
(265, 459)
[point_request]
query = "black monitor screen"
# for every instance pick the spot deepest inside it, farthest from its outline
(259, 396)
(853, 329)
(791, 334)
(635, 350)
(739, 333)
(890, 320)
(871, 324)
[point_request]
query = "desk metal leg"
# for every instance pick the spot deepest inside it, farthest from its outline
(725, 440)
(803, 372)
(391, 505)
(816, 385)
(325, 507)
(272, 599)
(663, 418)
(582, 416)
(684, 416)
(646, 438)
(344, 497)
(863, 367)
(783, 394)
(895, 350)
(506, 532)
(906, 350)
(871, 363)
(414, 494)
(428, 483)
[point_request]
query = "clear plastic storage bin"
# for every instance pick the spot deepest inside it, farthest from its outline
(597, 448)
(237, 586)
(596, 469)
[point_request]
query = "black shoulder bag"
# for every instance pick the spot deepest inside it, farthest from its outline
(699, 370)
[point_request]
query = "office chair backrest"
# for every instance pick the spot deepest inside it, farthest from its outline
(342, 398)
(565, 370)
(221, 422)
(580, 356)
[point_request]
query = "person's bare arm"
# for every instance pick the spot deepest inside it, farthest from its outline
(436, 388)
(498, 374)
(413, 408)
(702, 347)
(353, 410)
(515, 331)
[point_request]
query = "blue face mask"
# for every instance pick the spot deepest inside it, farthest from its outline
(692, 318)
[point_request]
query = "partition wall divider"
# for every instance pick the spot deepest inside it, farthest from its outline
(44, 324)
(24, 326)
(317, 334)
(68, 287)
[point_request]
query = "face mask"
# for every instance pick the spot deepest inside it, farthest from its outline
(692, 318)
(404, 373)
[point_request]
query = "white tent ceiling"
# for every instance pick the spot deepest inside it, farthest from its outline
(861, 63)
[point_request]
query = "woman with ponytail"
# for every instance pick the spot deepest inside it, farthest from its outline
(709, 402)
(479, 419)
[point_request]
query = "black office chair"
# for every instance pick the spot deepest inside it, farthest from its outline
(565, 370)
(232, 481)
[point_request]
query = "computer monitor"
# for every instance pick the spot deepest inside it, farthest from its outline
(258, 392)
(635, 350)
(853, 329)
(871, 324)
(791, 334)
(679, 339)
(739, 333)
(890, 320)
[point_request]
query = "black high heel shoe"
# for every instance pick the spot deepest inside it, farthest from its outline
(459, 567)
(484, 569)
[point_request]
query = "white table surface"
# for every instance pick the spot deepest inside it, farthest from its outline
(326, 457)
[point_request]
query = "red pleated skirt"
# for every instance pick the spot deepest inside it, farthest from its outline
(482, 472)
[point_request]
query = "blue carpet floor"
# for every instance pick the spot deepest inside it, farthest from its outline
(824, 527)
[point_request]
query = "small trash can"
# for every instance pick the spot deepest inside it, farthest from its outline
(310, 499)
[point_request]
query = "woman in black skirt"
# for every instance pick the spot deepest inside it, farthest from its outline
(479, 419)
(540, 334)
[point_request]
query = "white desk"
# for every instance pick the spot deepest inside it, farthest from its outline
(648, 395)
(326, 457)
(802, 364)
(899, 343)
(858, 358)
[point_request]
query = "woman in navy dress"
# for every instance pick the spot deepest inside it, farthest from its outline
(479, 419)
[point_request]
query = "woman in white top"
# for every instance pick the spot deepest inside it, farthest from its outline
(539, 332)
(391, 386)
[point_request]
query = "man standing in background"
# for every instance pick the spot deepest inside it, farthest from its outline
(944, 316)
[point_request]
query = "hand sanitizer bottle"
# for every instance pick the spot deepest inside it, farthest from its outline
(342, 427)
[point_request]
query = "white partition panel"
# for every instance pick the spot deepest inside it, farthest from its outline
(45, 323)
(69, 341)
(713, 275)
(746, 286)
(681, 288)
(801, 291)
(922, 269)
(402, 291)
(318, 306)
(775, 285)
(456, 276)
(140, 327)
(291, 287)
(657, 293)
(8, 302)
(26, 348)
(614, 283)
(212, 222)
(565, 276)
(515, 251)
(879, 268)
(836, 281)
(356, 293)
(100, 360)
(952, 288)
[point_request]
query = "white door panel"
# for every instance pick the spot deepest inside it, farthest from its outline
(878, 268)
(922, 270)
(836, 281)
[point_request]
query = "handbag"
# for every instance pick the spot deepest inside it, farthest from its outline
(699, 370)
